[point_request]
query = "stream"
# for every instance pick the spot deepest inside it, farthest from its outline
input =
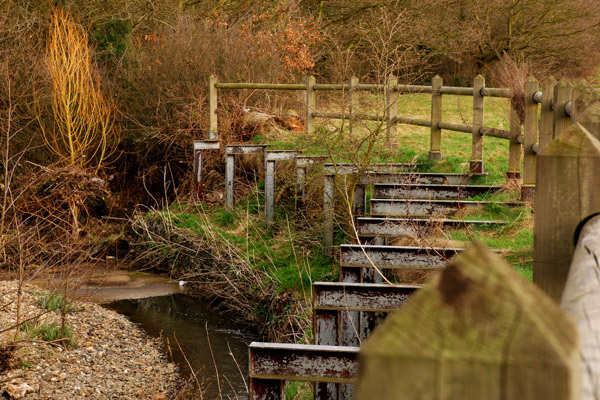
(209, 340)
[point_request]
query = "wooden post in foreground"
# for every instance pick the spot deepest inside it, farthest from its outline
(546, 113)
(213, 132)
(562, 95)
(530, 137)
(435, 149)
(581, 301)
(311, 103)
(476, 165)
(514, 148)
(478, 330)
(567, 191)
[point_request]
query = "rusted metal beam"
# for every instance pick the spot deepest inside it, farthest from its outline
(351, 169)
(355, 255)
(302, 362)
(423, 208)
(430, 191)
(395, 227)
(370, 297)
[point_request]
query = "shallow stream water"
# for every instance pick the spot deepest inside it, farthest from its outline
(208, 339)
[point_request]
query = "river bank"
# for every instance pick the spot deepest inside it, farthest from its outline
(109, 357)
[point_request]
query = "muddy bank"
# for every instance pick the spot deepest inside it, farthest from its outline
(109, 357)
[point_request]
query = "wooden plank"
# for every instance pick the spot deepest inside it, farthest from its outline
(435, 148)
(264, 86)
(567, 192)
(395, 257)
(423, 208)
(547, 113)
(477, 330)
(430, 191)
(396, 227)
(581, 302)
(514, 147)
(354, 106)
(476, 163)
(303, 362)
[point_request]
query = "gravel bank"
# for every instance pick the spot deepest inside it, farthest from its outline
(111, 357)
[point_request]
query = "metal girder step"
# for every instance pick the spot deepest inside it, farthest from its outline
(430, 191)
(370, 297)
(355, 255)
(395, 227)
(435, 178)
(423, 208)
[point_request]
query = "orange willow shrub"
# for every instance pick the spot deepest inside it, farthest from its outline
(81, 133)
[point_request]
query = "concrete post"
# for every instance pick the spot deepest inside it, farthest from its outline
(229, 182)
(270, 192)
(328, 213)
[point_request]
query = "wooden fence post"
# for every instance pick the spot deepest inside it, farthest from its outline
(567, 191)
(354, 102)
(514, 148)
(530, 127)
(435, 151)
(477, 330)
(562, 95)
(213, 132)
(476, 165)
(391, 109)
(311, 103)
(547, 113)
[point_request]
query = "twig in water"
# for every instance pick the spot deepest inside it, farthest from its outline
(213, 358)
(189, 365)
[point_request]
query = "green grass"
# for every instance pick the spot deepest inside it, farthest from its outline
(48, 332)
(52, 302)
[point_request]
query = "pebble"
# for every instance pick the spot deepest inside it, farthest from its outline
(112, 358)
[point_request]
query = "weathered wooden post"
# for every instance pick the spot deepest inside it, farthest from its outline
(562, 95)
(213, 132)
(547, 113)
(514, 148)
(581, 302)
(567, 191)
(199, 147)
(354, 102)
(311, 103)
(328, 212)
(530, 138)
(391, 109)
(476, 165)
(478, 330)
(435, 151)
